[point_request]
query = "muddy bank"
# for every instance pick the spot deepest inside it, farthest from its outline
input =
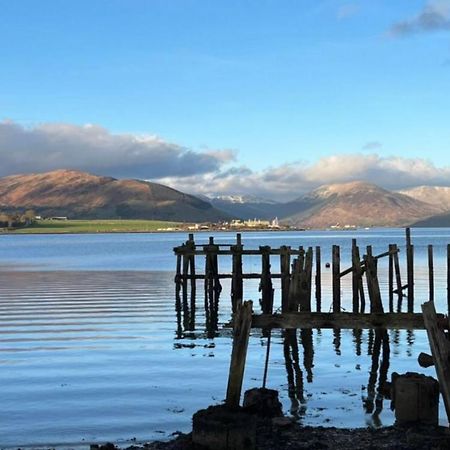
(282, 433)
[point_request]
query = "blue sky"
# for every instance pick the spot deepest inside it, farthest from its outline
(275, 82)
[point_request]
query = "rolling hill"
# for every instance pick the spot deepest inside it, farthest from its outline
(80, 195)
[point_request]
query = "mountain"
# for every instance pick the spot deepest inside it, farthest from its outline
(78, 195)
(246, 207)
(360, 204)
(439, 220)
(436, 195)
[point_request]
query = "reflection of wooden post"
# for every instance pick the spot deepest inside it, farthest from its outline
(336, 268)
(241, 332)
(431, 273)
(440, 349)
(410, 270)
(318, 280)
(236, 277)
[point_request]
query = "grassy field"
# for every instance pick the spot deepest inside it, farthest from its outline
(95, 226)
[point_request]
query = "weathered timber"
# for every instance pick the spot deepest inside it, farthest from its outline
(391, 279)
(430, 273)
(398, 278)
(440, 349)
(237, 286)
(362, 264)
(373, 286)
(265, 286)
(448, 279)
(356, 267)
(241, 333)
(318, 280)
(336, 271)
(343, 320)
(410, 269)
(285, 272)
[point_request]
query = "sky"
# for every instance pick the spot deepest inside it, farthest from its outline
(259, 97)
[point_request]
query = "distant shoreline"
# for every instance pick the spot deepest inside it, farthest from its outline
(115, 226)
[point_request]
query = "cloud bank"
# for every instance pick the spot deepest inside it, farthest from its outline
(435, 16)
(289, 181)
(95, 149)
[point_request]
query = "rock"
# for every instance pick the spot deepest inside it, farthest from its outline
(220, 428)
(263, 402)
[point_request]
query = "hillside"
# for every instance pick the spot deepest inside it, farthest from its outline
(80, 195)
(436, 195)
(360, 204)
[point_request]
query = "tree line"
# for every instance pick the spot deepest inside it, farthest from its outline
(17, 219)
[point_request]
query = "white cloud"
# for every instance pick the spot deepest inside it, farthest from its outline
(95, 149)
(289, 181)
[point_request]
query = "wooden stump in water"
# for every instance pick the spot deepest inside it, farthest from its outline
(416, 399)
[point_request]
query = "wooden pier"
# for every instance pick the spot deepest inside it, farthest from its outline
(298, 269)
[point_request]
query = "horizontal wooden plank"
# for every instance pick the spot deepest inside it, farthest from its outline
(343, 320)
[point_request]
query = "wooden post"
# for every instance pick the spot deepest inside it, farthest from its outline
(398, 278)
(318, 280)
(336, 268)
(236, 280)
(241, 334)
(304, 282)
(391, 279)
(191, 257)
(448, 280)
(410, 270)
(372, 284)
(440, 349)
(266, 287)
(430, 273)
(356, 274)
(285, 269)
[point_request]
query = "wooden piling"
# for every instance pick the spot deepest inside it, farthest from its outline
(237, 280)
(318, 280)
(285, 270)
(410, 269)
(430, 273)
(356, 274)
(440, 349)
(241, 334)
(373, 286)
(448, 280)
(398, 278)
(391, 278)
(266, 287)
(336, 273)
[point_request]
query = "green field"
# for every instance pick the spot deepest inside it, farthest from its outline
(95, 226)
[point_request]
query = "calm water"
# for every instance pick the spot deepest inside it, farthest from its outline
(90, 348)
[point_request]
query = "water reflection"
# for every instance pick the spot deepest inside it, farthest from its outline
(294, 373)
(373, 400)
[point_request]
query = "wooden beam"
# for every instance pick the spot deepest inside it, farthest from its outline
(241, 334)
(308, 320)
(440, 349)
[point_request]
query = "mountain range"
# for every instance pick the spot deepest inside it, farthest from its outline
(78, 194)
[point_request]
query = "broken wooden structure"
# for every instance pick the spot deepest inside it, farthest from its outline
(299, 273)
